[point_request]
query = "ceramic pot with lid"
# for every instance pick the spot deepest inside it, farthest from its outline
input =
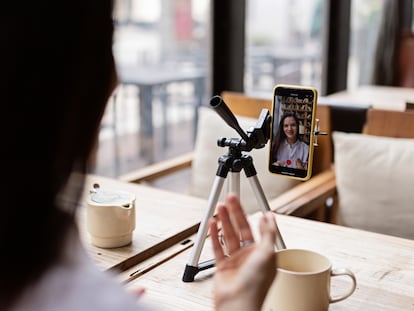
(110, 217)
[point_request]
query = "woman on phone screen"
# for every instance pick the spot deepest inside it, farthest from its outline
(288, 149)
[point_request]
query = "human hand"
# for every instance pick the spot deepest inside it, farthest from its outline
(137, 292)
(242, 279)
(299, 164)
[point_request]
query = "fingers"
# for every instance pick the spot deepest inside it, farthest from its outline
(240, 218)
(231, 236)
(235, 227)
(240, 229)
(217, 249)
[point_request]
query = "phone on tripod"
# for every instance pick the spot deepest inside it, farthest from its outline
(292, 131)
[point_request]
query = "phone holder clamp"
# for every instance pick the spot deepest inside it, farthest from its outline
(317, 133)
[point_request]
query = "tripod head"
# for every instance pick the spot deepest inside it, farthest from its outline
(255, 138)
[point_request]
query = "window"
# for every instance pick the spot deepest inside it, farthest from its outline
(365, 23)
(284, 43)
(161, 53)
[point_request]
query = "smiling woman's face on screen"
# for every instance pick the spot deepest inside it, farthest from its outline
(290, 128)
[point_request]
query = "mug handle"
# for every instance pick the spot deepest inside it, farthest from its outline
(347, 272)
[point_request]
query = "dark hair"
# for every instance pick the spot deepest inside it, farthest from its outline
(57, 73)
(280, 134)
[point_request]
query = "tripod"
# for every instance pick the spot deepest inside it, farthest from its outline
(234, 161)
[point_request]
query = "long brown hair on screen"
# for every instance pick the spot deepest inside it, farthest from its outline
(280, 134)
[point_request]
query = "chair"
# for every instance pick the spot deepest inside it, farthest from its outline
(370, 183)
(247, 109)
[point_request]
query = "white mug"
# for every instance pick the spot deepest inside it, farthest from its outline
(303, 282)
(110, 216)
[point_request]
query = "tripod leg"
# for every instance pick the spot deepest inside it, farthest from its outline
(264, 205)
(234, 185)
(192, 268)
(251, 174)
(259, 193)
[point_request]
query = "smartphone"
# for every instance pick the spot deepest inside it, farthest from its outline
(292, 131)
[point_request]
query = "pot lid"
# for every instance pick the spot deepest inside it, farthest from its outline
(110, 197)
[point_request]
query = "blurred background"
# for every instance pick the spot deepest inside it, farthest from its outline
(173, 55)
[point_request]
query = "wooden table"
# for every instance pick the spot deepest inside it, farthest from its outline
(383, 265)
(163, 219)
(380, 97)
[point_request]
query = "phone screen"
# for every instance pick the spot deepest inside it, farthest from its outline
(291, 139)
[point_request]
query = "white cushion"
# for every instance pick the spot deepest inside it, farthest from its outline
(205, 163)
(375, 178)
